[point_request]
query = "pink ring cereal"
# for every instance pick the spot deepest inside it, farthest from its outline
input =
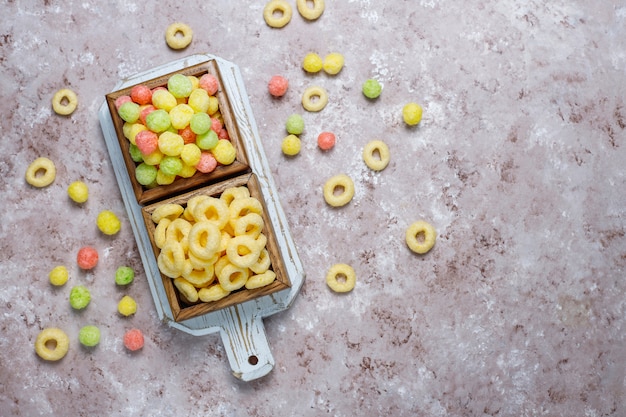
(147, 141)
(141, 94)
(277, 86)
(87, 257)
(207, 163)
(133, 340)
(326, 140)
(209, 83)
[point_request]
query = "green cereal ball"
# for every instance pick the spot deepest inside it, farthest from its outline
(179, 85)
(295, 124)
(124, 275)
(135, 153)
(79, 297)
(145, 174)
(129, 112)
(158, 121)
(372, 88)
(171, 165)
(200, 123)
(89, 336)
(207, 140)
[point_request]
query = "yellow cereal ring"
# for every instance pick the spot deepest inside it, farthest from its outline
(262, 264)
(232, 277)
(170, 210)
(212, 293)
(310, 13)
(191, 203)
(159, 232)
(204, 239)
(420, 237)
(231, 193)
(260, 280)
(371, 150)
(178, 230)
(338, 182)
(226, 237)
(213, 210)
(173, 39)
(171, 259)
(341, 278)
(243, 206)
(243, 251)
(64, 102)
(186, 289)
(202, 263)
(308, 101)
(251, 225)
(201, 277)
(277, 13)
(41, 172)
(52, 344)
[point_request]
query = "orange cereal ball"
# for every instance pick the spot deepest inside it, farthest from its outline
(58, 276)
(277, 86)
(108, 223)
(412, 114)
(133, 339)
(87, 257)
(78, 191)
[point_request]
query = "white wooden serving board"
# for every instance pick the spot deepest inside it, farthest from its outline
(240, 326)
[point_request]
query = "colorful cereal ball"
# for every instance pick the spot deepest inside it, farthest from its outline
(312, 62)
(277, 86)
(58, 276)
(87, 257)
(79, 297)
(133, 340)
(333, 63)
(294, 124)
(145, 174)
(108, 223)
(127, 306)
(141, 94)
(372, 88)
(89, 336)
(412, 114)
(291, 145)
(124, 275)
(326, 140)
(78, 191)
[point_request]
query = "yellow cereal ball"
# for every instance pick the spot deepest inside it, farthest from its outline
(291, 145)
(127, 306)
(333, 63)
(108, 223)
(195, 82)
(153, 158)
(312, 62)
(199, 100)
(187, 171)
(191, 154)
(214, 105)
(180, 115)
(224, 152)
(133, 130)
(412, 114)
(58, 276)
(163, 99)
(164, 179)
(171, 143)
(78, 191)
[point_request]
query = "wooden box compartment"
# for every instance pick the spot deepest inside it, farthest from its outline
(182, 309)
(240, 165)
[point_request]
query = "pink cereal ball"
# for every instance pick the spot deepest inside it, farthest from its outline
(133, 339)
(187, 135)
(326, 140)
(145, 111)
(121, 100)
(141, 94)
(223, 134)
(87, 257)
(278, 86)
(207, 163)
(209, 83)
(147, 142)
(216, 124)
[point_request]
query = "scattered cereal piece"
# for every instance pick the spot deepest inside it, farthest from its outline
(277, 13)
(87, 257)
(127, 306)
(345, 187)
(341, 278)
(52, 344)
(376, 155)
(133, 339)
(326, 140)
(295, 124)
(64, 102)
(78, 192)
(314, 99)
(420, 237)
(79, 297)
(310, 13)
(178, 35)
(89, 335)
(108, 223)
(58, 276)
(312, 63)
(333, 63)
(124, 275)
(372, 88)
(41, 172)
(291, 145)
(412, 114)
(277, 86)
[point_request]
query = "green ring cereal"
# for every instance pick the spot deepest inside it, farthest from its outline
(372, 88)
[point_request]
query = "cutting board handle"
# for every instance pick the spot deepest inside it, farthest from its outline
(245, 342)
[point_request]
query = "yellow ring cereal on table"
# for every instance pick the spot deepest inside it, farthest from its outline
(243, 251)
(41, 172)
(213, 210)
(341, 278)
(319, 104)
(212, 293)
(169, 210)
(186, 289)
(426, 232)
(159, 232)
(310, 13)
(343, 183)
(262, 264)
(280, 7)
(171, 259)
(369, 155)
(232, 277)
(204, 239)
(178, 42)
(251, 225)
(232, 193)
(52, 344)
(260, 280)
(64, 102)
(201, 277)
